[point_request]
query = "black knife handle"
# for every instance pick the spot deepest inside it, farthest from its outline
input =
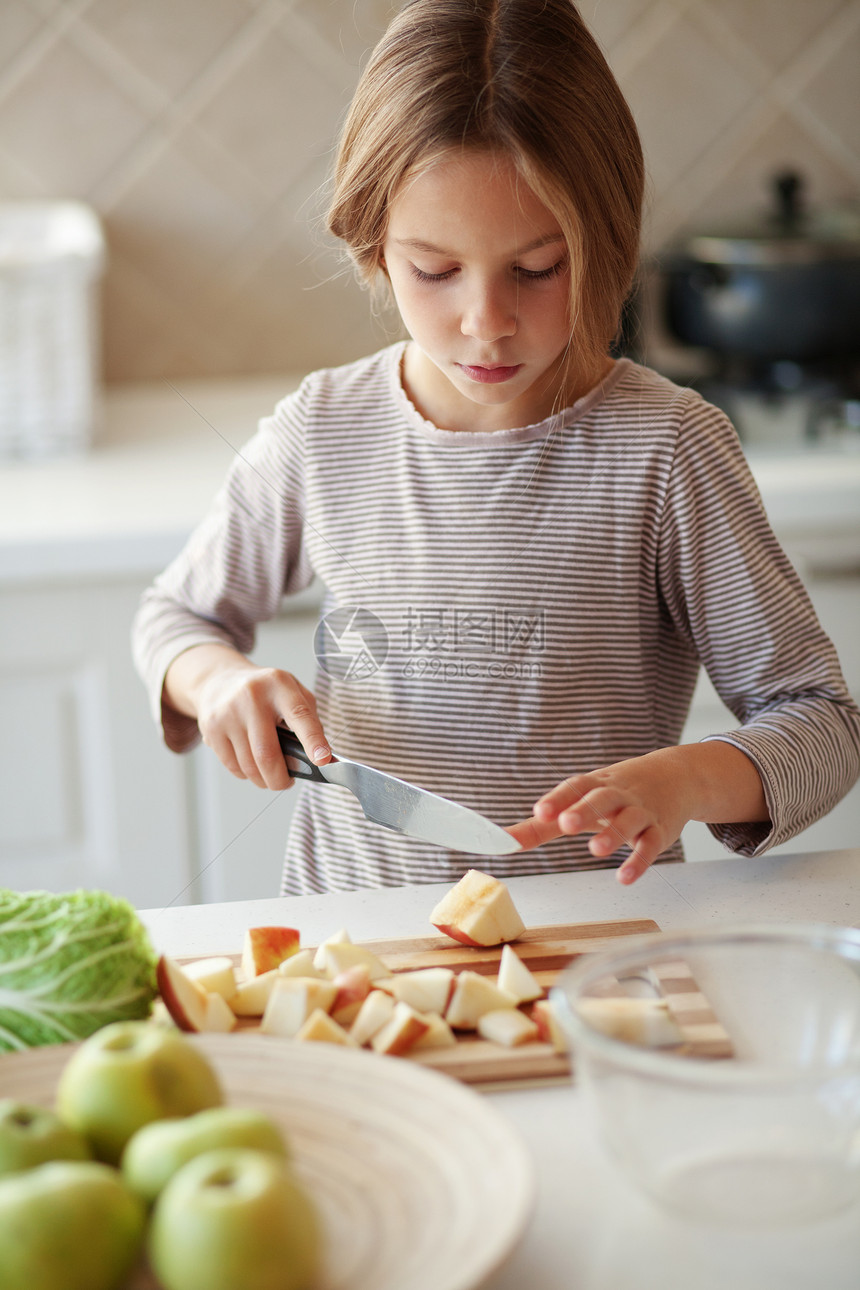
(291, 747)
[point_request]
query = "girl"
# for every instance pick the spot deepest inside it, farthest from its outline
(528, 546)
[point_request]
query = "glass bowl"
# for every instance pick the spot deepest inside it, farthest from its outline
(767, 1133)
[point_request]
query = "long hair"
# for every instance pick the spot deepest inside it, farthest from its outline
(522, 77)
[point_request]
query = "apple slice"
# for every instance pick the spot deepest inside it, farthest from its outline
(425, 990)
(339, 938)
(438, 1033)
(291, 1002)
(322, 1029)
(376, 1010)
(515, 978)
(300, 964)
(473, 996)
(352, 986)
(508, 1027)
(220, 1017)
(337, 957)
(549, 1027)
(266, 947)
(184, 999)
(478, 911)
(216, 975)
(647, 1022)
(399, 1034)
(252, 996)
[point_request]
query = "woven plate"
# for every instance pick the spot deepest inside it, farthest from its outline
(419, 1181)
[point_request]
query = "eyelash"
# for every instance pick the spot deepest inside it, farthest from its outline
(530, 275)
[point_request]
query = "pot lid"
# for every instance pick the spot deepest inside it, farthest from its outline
(789, 233)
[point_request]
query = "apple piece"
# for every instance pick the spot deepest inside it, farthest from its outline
(300, 964)
(323, 1029)
(516, 979)
(336, 958)
(219, 1017)
(159, 1016)
(216, 975)
(235, 1219)
(425, 989)
(399, 1034)
(353, 986)
(155, 1153)
(252, 996)
(473, 996)
(438, 1033)
(478, 911)
(184, 999)
(508, 1027)
(266, 947)
(292, 1001)
(127, 1074)
(339, 938)
(68, 1225)
(647, 1022)
(33, 1135)
(549, 1027)
(376, 1010)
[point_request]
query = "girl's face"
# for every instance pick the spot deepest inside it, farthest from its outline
(479, 269)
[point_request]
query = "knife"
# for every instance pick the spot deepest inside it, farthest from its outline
(403, 807)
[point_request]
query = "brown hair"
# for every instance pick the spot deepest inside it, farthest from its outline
(524, 77)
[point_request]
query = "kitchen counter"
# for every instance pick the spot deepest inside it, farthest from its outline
(591, 1229)
(128, 504)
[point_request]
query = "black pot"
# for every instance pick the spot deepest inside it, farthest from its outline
(789, 289)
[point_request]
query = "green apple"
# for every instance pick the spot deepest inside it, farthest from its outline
(68, 1225)
(128, 1074)
(33, 1135)
(156, 1151)
(234, 1220)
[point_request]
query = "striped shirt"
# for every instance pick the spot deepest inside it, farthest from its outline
(503, 609)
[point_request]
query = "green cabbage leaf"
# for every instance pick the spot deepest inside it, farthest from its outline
(70, 964)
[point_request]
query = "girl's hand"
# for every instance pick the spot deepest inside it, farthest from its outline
(238, 707)
(645, 802)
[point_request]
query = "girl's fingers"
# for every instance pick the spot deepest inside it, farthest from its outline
(648, 847)
(562, 796)
(532, 833)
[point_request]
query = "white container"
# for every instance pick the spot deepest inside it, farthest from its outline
(51, 257)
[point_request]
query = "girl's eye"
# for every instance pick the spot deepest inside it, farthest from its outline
(421, 276)
(540, 275)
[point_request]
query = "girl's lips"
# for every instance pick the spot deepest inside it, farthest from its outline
(489, 375)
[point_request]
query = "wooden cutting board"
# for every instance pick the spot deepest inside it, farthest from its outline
(546, 951)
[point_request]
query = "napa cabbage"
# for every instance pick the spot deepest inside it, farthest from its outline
(70, 964)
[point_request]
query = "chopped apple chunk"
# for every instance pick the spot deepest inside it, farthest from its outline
(292, 1000)
(217, 975)
(549, 1026)
(376, 1010)
(219, 1017)
(300, 964)
(252, 996)
(320, 1028)
(647, 1022)
(338, 938)
(438, 1033)
(478, 911)
(401, 1032)
(266, 947)
(516, 979)
(473, 996)
(507, 1026)
(425, 990)
(336, 958)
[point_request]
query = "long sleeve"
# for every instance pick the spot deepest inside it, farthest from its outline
(245, 555)
(731, 589)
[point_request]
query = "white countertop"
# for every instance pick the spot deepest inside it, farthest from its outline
(592, 1230)
(127, 505)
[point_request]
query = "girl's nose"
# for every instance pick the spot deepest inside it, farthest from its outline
(489, 314)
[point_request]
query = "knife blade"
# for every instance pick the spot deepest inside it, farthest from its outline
(403, 807)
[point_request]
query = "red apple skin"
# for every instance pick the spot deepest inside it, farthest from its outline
(266, 947)
(353, 986)
(164, 978)
(457, 935)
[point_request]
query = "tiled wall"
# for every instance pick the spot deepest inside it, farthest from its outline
(201, 131)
